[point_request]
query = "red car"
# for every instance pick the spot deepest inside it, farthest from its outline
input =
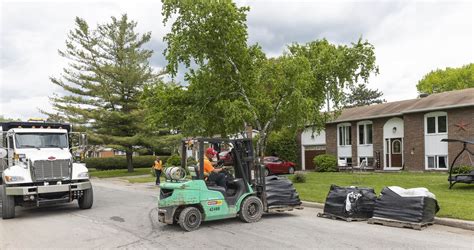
(275, 165)
(226, 157)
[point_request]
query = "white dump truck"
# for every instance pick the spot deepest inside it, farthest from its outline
(37, 167)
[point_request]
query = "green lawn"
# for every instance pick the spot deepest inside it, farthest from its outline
(118, 172)
(455, 203)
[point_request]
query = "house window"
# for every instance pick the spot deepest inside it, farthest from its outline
(345, 161)
(365, 133)
(366, 161)
(396, 147)
(437, 162)
(344, 132)
(436, 123)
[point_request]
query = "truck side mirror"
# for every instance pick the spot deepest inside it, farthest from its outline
(3, 153)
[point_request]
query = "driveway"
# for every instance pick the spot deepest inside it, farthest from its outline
(125, 216)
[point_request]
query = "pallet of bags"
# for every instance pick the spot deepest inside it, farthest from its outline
(407, 208)
(280, 192)
(349, 203)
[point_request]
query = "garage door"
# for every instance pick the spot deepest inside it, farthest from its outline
(309, 153)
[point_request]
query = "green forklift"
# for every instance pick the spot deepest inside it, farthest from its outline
(188, 202)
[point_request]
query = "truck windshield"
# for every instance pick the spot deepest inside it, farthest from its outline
(41, 140)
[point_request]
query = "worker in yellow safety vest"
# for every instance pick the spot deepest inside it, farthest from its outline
(158, 167)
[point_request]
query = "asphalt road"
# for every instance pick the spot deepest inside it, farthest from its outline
(125, 216)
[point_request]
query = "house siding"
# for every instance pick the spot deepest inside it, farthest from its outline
(331, 139)
(455, 117)
(414, 142)
(355, 157)
(378, 141)
(413, 138)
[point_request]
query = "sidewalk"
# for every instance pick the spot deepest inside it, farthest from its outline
(464, 224)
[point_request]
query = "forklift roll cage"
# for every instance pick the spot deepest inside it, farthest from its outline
(243, 161)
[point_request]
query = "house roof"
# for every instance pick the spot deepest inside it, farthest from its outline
(440, 101)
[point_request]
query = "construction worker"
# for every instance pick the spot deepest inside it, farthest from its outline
(214, 174)
(158, 167)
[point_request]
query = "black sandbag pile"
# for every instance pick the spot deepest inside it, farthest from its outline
(281, 192)
(409, 205)
(350, 202)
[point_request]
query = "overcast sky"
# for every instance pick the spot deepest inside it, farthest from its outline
(411, 38)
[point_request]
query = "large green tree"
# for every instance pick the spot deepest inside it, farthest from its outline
(106, 73)
(448, 79)
(360, 95)
(231, 84)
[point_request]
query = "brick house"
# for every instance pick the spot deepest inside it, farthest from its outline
(397, 135)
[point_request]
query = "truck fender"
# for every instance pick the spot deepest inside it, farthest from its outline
(17, 170)
(78, 168)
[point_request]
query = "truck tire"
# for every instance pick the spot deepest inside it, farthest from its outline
(190, 219)
(251, 209)
(8, 204)
(87, 199)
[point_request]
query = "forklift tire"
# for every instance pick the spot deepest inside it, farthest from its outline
(251, 209)
(190, 219)
(8, 204)
(87, 199)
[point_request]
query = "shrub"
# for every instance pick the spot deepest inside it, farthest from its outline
(174, 160)
(462, 169)
(191, 161)
(120, 162)
(325, 163)
(299, 177)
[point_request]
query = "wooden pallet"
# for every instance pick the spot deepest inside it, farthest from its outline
(336, 217)
(398, 223)
(281, 209)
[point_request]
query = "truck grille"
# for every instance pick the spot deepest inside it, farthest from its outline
(51, 170)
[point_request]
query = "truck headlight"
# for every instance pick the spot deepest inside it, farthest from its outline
(83, 175)
(14, 178)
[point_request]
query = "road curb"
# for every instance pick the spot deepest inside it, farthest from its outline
(313, 204)
(463, 224)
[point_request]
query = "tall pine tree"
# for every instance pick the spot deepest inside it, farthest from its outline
(104, 79)
(360, 95)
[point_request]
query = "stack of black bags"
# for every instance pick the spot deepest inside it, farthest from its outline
(410, 205)
(350, 202)
(281, 192)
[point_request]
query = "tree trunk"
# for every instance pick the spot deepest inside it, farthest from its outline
(129, 154)
(261, 146)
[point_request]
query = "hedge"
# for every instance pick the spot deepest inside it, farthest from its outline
(120, 162)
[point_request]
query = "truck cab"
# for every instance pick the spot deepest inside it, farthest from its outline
(37, 167)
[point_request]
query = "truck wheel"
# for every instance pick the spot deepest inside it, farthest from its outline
(190, 219)
(87, 199)
(251, 209)
(8, 204)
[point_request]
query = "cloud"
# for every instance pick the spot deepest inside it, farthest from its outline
(411, 38)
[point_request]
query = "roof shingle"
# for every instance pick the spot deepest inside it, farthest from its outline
(445, 100)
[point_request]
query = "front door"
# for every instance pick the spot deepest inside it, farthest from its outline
(394, 152)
